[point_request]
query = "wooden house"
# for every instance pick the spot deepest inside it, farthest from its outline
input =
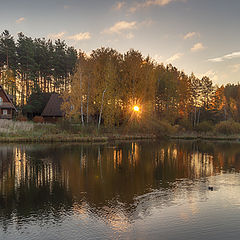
(52, 111)
(7, 108)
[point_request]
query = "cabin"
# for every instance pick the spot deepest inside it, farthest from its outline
(36, 105)
(52, 111)
(7, 108)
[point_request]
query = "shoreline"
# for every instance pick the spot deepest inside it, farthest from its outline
(74, 138)
(206, 138)
(105, 139)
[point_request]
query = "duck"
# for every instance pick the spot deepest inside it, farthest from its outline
(210, 188)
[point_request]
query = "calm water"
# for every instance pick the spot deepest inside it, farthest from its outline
(135, 190)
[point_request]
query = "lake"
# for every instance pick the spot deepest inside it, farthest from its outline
(132, 190)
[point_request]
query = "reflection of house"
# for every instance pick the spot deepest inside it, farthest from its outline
(52, 111)
(6, 105)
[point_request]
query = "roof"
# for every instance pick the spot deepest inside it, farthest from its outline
(6, 105)
(9, 104)
(53, 107)
(37, 107)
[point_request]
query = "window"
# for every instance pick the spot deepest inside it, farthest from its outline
(5, 111)
(1, 100)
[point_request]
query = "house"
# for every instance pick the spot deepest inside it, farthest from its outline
(7, 108)
(52, 111)
(36, 104)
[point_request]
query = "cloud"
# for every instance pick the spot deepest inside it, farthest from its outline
(56, 35)
(146, 23)
(235, 68)
(157, 58)
(220, 59)
(19, 20)
(197, 47)
(80, 36)
(174, 57)
(120, 27)
(190, 35)
(149, 3)
(211, 74)
(130, 36)
(118, 6)
(225, 57)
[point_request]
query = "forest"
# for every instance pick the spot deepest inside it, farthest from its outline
(28, 64)
(103, 88)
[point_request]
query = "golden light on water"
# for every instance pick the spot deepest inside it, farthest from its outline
(136, 108)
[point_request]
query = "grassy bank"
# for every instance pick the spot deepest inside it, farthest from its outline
(15, 131)
(222, 131)
(72, 138)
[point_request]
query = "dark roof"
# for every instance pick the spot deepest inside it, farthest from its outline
(53, 107)
(9, 104)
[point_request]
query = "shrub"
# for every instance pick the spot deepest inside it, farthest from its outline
(67, 126)
(148, 125)
(21, 118)
(184, 124)
(64, 125)
(163, 128)
(205, 126)
(38, 119)
(46, 128)
(228, 127)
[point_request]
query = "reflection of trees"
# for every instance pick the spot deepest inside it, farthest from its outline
(31, 184)
(112, 181)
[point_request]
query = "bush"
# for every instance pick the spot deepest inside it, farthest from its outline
(148, 125)
(228, 127)
(184, 124)
(67, 126)
(205, 126)
(64, 125)
(38, 119)
(21, 118)
(163, 128)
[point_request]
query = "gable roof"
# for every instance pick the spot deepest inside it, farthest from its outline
(53, 107)
(8, 104)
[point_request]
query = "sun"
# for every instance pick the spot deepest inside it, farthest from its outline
(136, 108)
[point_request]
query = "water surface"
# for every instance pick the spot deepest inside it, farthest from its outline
(132, 190)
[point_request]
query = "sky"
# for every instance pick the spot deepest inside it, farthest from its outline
(199, 36)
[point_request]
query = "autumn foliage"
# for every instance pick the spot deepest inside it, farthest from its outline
(107, 84)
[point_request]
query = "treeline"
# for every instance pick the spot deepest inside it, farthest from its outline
(104, 87)
(27, 64)
(107, 84)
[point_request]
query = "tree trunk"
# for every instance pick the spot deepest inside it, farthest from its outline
(87, 101)
(198, 116)
(82, 118)
(100, 115)
(225, 113)
(195, 117)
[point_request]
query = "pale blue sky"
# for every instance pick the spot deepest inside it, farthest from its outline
(200, 36)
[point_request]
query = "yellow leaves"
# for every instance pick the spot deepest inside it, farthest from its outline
(8, 77)
(219, 100)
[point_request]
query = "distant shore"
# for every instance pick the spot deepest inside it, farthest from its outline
(206, 137)
(73, 138)
(94, 139)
